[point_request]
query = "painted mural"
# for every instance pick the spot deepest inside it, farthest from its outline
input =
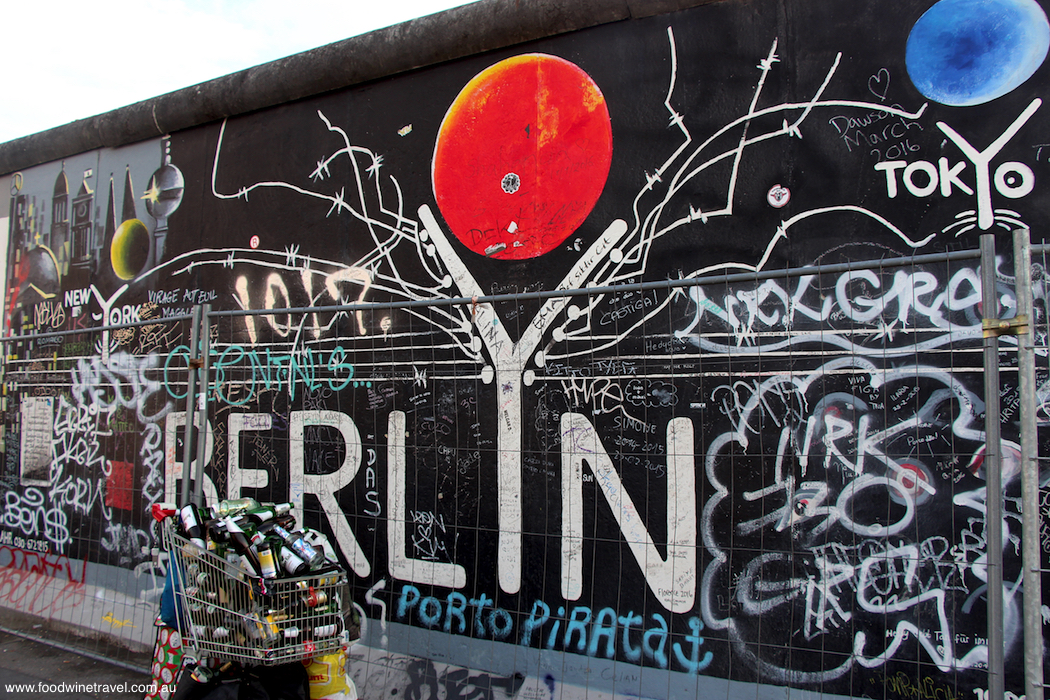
(639, 492)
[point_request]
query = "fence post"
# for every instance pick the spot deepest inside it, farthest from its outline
(191, 403)
(993, 527)
(1030, 554)
(202, 404)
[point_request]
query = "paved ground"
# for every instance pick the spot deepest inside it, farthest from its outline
(48, 671)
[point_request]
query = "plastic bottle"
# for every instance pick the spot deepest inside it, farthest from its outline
(236, 564)
(295, 540)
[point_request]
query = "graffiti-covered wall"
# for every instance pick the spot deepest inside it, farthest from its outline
(642, 491)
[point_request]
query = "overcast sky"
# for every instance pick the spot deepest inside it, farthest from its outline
(72, 60)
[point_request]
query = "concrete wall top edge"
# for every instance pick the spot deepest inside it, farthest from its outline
(471, 29)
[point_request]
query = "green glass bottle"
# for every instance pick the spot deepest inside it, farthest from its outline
(233, 506)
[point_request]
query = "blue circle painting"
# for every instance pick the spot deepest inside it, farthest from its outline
(968, 52)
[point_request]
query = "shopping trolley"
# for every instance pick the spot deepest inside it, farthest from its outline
(228, 613)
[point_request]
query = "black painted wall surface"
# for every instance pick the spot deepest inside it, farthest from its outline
(644, 492)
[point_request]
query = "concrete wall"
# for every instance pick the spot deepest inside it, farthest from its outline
(657, 493)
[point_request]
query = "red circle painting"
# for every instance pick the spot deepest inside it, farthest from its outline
(522, 156)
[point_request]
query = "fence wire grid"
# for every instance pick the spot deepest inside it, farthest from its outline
(524, 485)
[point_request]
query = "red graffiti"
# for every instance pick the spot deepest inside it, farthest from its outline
(41, 584)
(120, 485)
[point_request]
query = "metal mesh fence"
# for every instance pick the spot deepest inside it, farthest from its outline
(86, 426)
(1034, 413)
(535, 488)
